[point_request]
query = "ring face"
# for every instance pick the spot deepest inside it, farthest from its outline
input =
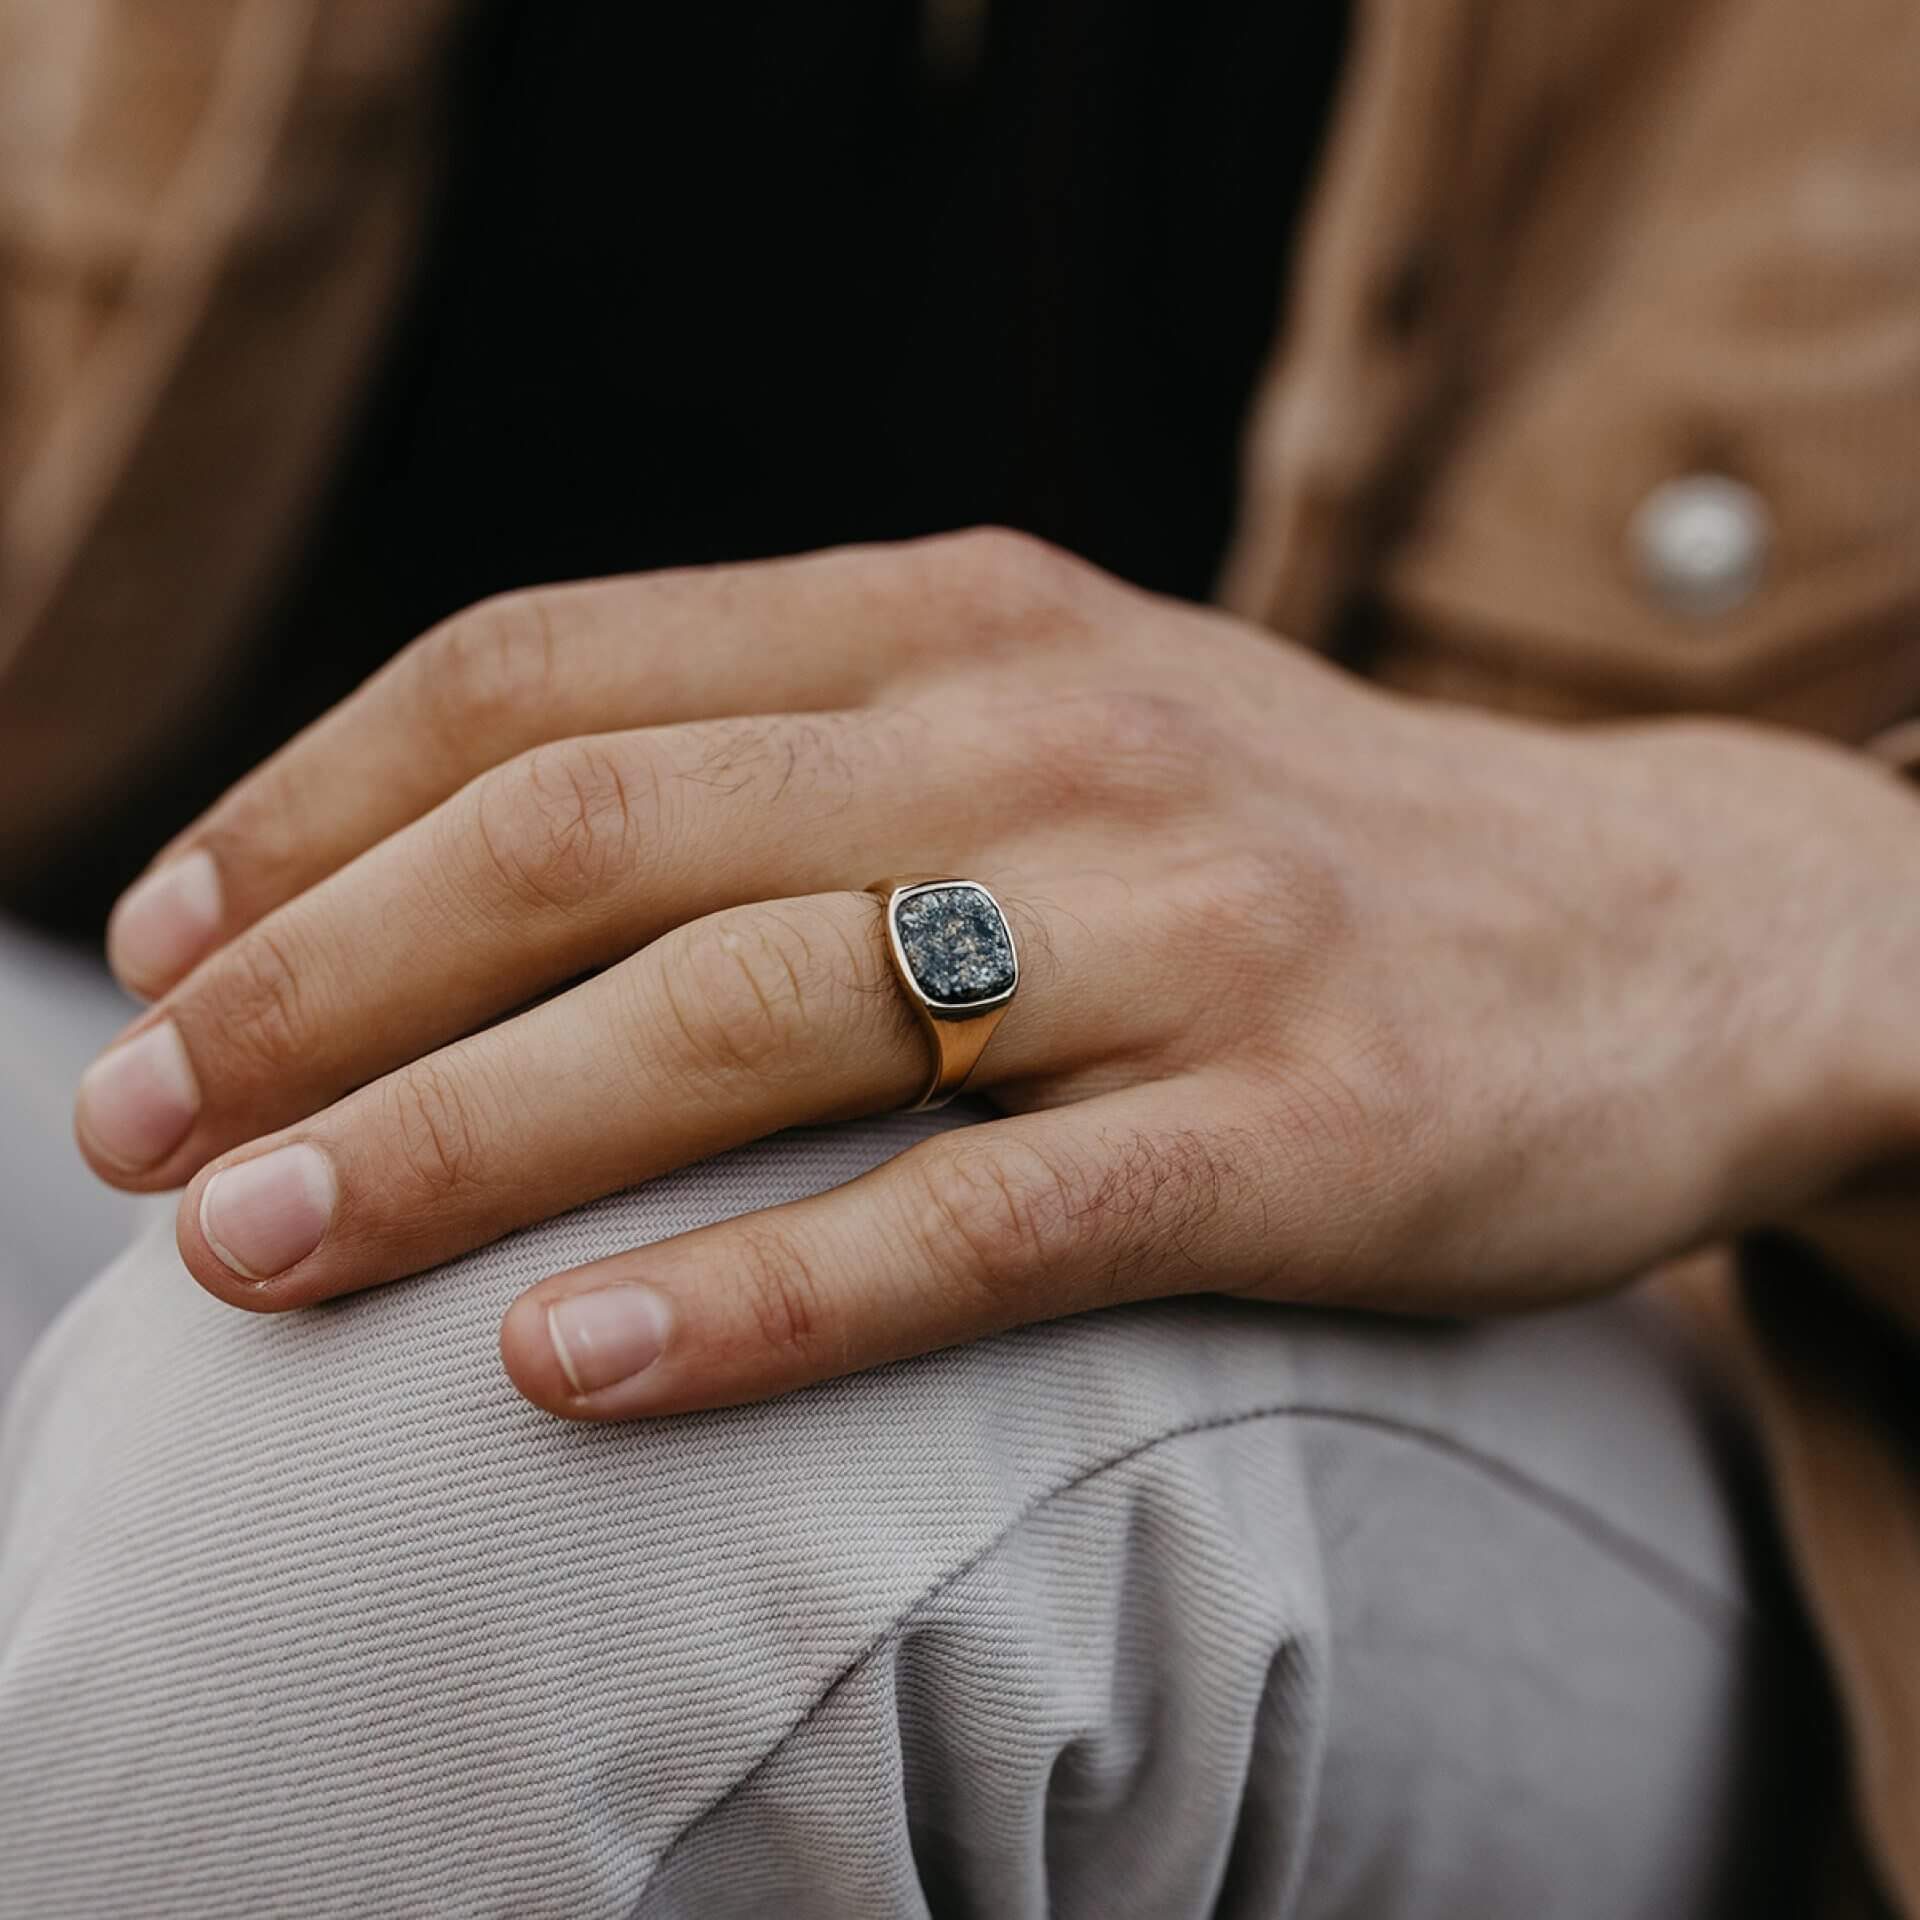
(955, 947)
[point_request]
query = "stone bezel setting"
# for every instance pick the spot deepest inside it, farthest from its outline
(910, 975)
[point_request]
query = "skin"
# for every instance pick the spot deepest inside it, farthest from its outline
(1327, 996)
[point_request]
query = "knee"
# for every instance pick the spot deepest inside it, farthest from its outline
(342, 1604)
(326, 1588)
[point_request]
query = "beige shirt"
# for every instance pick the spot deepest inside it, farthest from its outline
(1599, 394)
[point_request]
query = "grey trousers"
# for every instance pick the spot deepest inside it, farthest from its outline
(58, 1225)
(1197, 1609)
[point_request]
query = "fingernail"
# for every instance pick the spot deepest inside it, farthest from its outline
(600, 1338)
(263, 1216)
(137, 1101)
(164, 923)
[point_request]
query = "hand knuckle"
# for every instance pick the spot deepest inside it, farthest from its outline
(1117, 749)
(1272, 906)
(990, 1214)
(1237, 888)
(259, 998)
(783, 1293)
(490, 664)
(1140, 1205)
(761, 761)
(998, 588)
(743, 990)
(562, 824)
(435, 1131)
(1004, 555)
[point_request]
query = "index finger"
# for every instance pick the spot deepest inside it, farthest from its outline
(800, 635)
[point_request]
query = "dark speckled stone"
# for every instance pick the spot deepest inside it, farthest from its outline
(956, 944)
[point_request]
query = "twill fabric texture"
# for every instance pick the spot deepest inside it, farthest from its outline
(1188, 1610)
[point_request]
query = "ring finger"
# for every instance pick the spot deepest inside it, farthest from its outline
(735, 1026)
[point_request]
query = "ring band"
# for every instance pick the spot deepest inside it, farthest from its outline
(952, 952)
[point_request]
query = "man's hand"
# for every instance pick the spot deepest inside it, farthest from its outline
(1326, 996)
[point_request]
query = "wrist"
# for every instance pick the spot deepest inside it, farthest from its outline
(1793, 911)
(1861, 1105)
(1887, 1009)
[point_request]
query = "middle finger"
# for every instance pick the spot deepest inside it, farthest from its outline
(559, 862)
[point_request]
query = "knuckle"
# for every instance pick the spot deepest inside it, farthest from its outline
(762, 761)
(990, 1214)
(560, 824)
(259, 1000)
(434, 1130)
(1000, 588)
(1004, 556)
(781, 1291)
(1137, 751)
(1261, 936)
(489, 664)
(743, 990)
(1265, 903)
(1236, 885)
